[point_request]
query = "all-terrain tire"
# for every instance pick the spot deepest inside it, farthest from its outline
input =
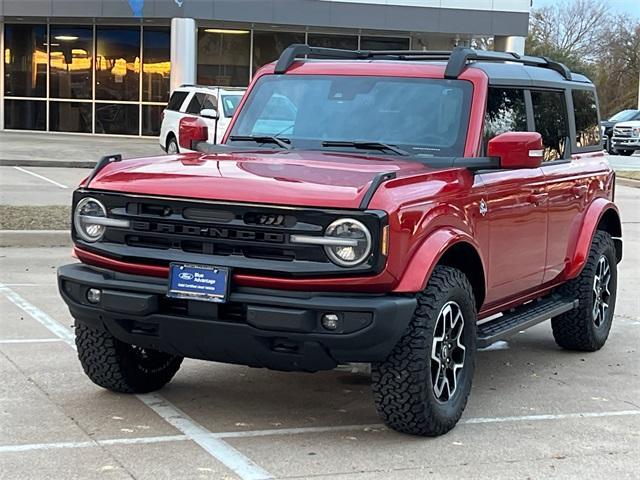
(403, 385)
(577, 329)
(120, 367)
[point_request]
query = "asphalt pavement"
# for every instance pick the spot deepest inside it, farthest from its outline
(535, 410)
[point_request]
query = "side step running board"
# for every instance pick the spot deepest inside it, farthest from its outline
(523, 317)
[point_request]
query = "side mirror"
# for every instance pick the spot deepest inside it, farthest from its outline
(190, 130)
(517, 149)
(209, 113)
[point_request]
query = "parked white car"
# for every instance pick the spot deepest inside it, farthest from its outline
(214, 105)
(626, 137)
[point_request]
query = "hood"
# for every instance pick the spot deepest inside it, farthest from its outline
(631, 123)
(298, 178)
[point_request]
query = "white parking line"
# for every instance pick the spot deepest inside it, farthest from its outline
(29, 340)
(212, 438)
(41, 177)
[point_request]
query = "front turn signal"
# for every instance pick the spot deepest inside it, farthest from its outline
(384, 247)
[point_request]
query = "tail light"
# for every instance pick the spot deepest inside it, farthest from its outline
(192, 129)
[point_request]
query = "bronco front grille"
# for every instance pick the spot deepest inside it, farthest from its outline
(251, 238)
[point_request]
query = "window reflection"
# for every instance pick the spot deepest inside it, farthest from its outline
(156, 66)
(117, 63)
(223, 57)
(384, 43)
(25, 60)
(70, 62)
(70, 117)
(25, 114)
(151, 119)
(117, 118)
(348, 42)
(267, 46)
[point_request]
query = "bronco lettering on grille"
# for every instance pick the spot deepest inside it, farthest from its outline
(210, 232)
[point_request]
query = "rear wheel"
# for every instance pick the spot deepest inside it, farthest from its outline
(587, 327)
(172, 145)
(120, 367)
(423, 385)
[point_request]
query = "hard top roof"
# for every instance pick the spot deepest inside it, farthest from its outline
(502, 68)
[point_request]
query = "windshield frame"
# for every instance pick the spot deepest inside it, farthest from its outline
(422, 151)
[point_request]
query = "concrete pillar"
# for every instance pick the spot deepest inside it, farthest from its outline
(184, 51)
(509, 44)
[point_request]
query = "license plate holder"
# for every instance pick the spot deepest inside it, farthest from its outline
(206, 283)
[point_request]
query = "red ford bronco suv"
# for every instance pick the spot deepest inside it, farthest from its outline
(395, 208)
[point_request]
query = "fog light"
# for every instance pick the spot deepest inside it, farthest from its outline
(94, 295)
(330, 321)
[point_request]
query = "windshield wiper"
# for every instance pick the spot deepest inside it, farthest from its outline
(366, 146)
(281, 142)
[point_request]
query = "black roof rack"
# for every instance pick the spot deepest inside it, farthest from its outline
(457, 59)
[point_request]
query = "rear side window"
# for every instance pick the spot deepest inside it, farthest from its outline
(506, 112)
(200, 101)
(550, 117)
(585, 110)
(176, 100)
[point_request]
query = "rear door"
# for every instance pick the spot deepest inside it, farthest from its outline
(199, 102)
(516, 206)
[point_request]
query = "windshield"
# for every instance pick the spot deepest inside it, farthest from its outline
(426, 117)
(625, 115)
(229, 104)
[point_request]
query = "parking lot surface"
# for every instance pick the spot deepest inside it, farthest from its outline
(535, 410)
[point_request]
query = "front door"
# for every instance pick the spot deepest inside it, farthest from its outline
(516, 211)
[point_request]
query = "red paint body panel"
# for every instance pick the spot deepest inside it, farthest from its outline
(534, 234)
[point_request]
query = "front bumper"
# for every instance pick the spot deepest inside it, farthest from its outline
(276, 329)
(622, 143)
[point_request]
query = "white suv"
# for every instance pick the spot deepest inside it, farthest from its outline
(215, 105)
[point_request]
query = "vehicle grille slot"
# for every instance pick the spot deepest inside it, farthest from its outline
(149, 242)
(205, 215)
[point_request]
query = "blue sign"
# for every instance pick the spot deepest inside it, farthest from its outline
(198, 282)
(136, 7)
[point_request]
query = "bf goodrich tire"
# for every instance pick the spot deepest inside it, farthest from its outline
(122, 368)
(587, 327)
(423, 385)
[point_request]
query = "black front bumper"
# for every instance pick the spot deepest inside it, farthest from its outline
(276, 329)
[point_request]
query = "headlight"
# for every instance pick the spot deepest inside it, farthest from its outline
(90, 220)
(87, 210)
(348, 255)
(636, 132)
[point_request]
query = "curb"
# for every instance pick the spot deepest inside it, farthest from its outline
(35, 238)
(628, 182)
(47, 163)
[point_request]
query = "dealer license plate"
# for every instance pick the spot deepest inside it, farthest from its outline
(198, 282)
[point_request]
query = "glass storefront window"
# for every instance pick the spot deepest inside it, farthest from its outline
(156, 66)
(267, 46)
(70, 117)
(117, 118)
(25, 114)
(384, 43)
(70, 62)
(25, 60)
(223, 57)
(348, 42)
(118, 63)
(151, 119)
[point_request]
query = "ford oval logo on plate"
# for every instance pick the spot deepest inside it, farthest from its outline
(198, 282)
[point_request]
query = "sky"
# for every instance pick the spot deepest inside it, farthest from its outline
(626, 7)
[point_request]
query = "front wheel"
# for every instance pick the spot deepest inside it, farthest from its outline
(586, 327)
(172, 146)
(120, 367)
(423, 385)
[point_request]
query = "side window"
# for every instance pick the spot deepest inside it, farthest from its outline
(195, 105)
(550, 117)
(176, 100)
(210, 101)
(585, 110)
(506, 112)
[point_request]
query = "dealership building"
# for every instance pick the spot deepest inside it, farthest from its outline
(108, 66)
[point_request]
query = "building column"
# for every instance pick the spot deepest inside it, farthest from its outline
(509, 44)
(184, 52)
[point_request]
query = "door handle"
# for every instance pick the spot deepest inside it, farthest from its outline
(537, 198)
(579, 190)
